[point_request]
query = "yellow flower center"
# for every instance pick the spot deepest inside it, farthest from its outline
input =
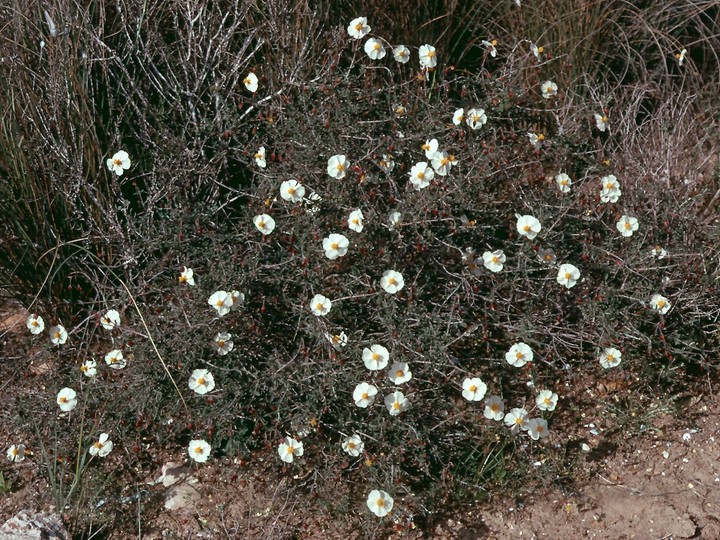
(444, 161)
(426, 146)
(247, 81)
(365, 395)
(340, 166)
(541, 137)
(117, 162)
(356, 221)
(63, 399)
(548, 257)
(98, 445)
(540, 49)
(396, 405)
(391, 281)
(182, 279)
(476, 118)
(610, 358)
(291, 450)
(35, 323)
(83, 368)
(15, 452)
(219, 303)
(399, 373)
(336, 339)
(375, 356)
(495, 260)
(609, 185)
(420, 175)
(221, 343)
(495, 407)
(56, 335)
(519, 420)
(198, 450)
(359, 27)
(380, 502)
(493, 42)
(377, 46)
(547, 401)
(627, 225)
(473, 388)
(291, 191)
(351, 445)
(259, 156)
(519, 355)
(604, 119)
(568, 276)
(661, 303)
(334, 245)
(319, 306)
(430, 54)
(563, 182)
(540, 428)
(261, 224)
(527, 228)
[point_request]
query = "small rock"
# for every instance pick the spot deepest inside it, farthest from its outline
(28, 526)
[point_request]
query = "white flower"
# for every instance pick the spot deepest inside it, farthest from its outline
(537, 428)
(110, 320)
(568, 275)
(627, 225)
(660, 304)
(430, 147)
(442, 162)
(186, 276)
(402, 54)
(611, 195)
(292, 190)
(89, 368)
(264, 223)
(428, 56)
(536, 139)
(421, 175)
(290, 448)
(58, 334)
(400, 111)
(338, 341)
(476, 118)
(493, 260)
(223, 343)
(396, 403)
(516, 420)
(548, 89)
(355, 220)
(353, 445)
(376, 357)
(199, 450)
(392, 281)
(458, 116)
(494, 408)
(119, 163)
(67, 399)
(395, 218)
(35, 324)
(251, 82)
(320, 305)
(563, 182)
(221, 301)
(337, 166)
(528, 226)
(201, 381)
(681, 57)
(374, 49)
(380, 503)
(260, 157)
(659, 252)
(358, 28)
(102, 447)
(16, 452)
(473, 389)
(519, 354)
(546, 400)
(115, 359)
(610, 357)
(537, 51)
(610, 189)
(399, 373)
(490, 46)
(237, 298)
(364, 395)
(387, 164)
(335, 245)
(601, 122)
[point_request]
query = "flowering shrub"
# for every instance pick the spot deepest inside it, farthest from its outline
(291, 244)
